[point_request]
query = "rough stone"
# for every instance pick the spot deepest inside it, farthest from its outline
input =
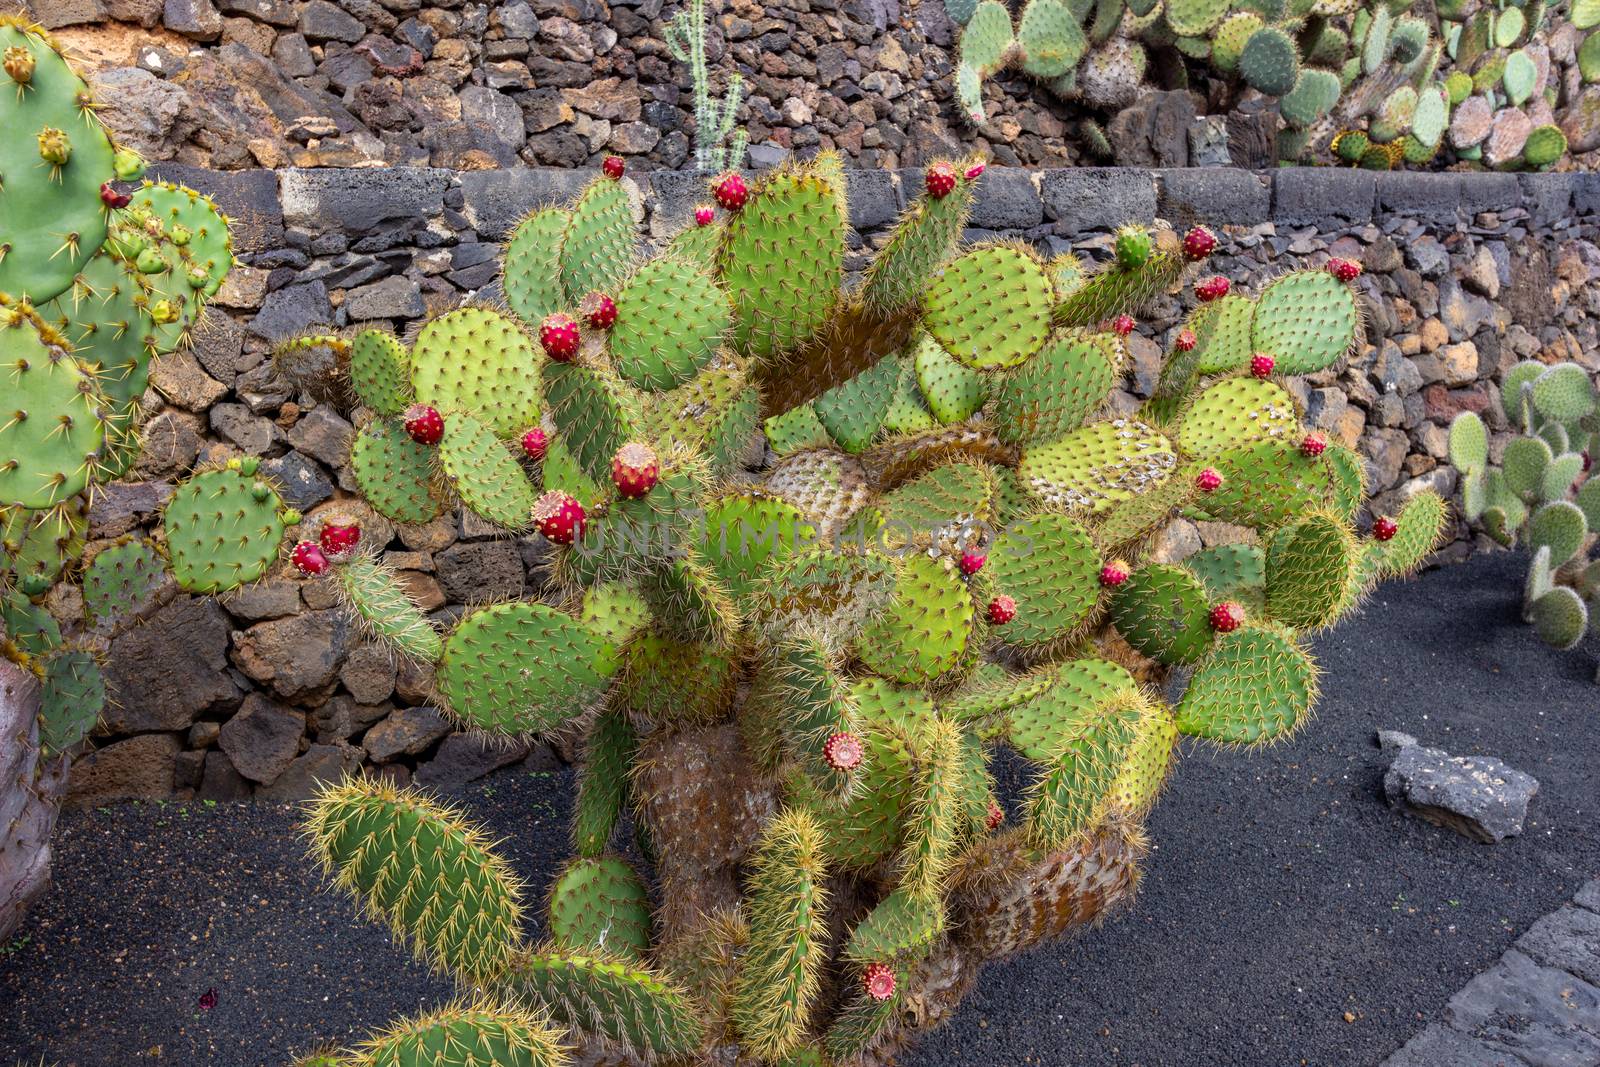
(164, 673)
(319, 765)
(1094, 198)
(395, 297)
(368, 673)
(464, 758)
(1216, 195)
(1539, 1014)
(1477, 796)
(220, 781)
(406, 732)
(140, 768)
(262, 738)
(290, 311)
(324, 434)
(295, 656)
(480, 569)
(1568, 938)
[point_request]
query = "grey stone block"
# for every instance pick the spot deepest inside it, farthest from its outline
(1589, 896)
(1568, 938)
(1440, 1045)
(248, 197)
(675, 194)
(356, 201)
(1477, 796)
(496, 199)
(1217, 195)
(1548, 197)
(874, 200)
(1585, 194)
(1543, 1015)
(1323, 195)
(1005, 199)
(291, 310)
(1434, 197)
(1099, 198)
(1489, 192)
(395, 297)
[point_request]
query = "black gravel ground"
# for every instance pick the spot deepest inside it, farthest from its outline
(1287, 916)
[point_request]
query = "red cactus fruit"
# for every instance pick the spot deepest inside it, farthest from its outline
(996, 816)
(1208, 480)
(1123, 325)
(1002, 609)
(730, 190)
(940, 180)
(842, 751)
(1186, 340)
(1199, 243)
(558, 334)
(559, 517)
(1115, 573)
(339, 536)
(534, 444)
(975, 170)
(972, 562)
(635, 469)
(424, 424)
(111, 198)
(704, 215)
(1313, 445)
(1227, 617)
(309, 559)
(598, 310)
(1384, 528)
(1213, 288)
(613, 166)
(878, 981)
(1261, 364)
(1346, 270)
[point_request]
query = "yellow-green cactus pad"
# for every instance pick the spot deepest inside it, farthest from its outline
(1309, 566)
(749, 534)
(380, 371)
(1222, 331)
(38, 545)
(618, 1002)
(1040, 724)
(814, 702)
(520, 667)
(866, 829)
(1269, 483)
(1421, 526)
(560, 470)
(594, 413)
(796, 430)
(53, 418)
(1068, 799)
(821, 590)
(925, 236)
(196, 227)
(374, 592)
(1257, 685)
(603, 781)
(1051, 568)
(598, 246)
(952, 390)
(667, 681)
(945, 502)
(1306, 321)
(1163, 611)
(461, 1036)
(105, 317)
(901, 927)
(670, 319)
(853, 411)
(532, 276)
(1054, 392)
(488, 480)
(924, 632)
(1098, 466)
(1147, 762)
(478, 361)
(1232, 572)
(601, 904)
(1235, 412)
(224, 529)
(1051, 40)
(395, 473)
(991, 307)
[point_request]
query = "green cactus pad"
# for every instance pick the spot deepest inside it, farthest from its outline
(1269, 483)
(923, 633)
(665, 680)
(1235, 412)
(1227, 44)
(488, 480)
(933, 822)
(901, 927)
(380, 371)
(374, 592)
(38, 545)
(105, 318)
(1524, 464)
(224, 528)
(1038, 727)
(1560, 475)
(1067, 800)
(796, 430)
(781, 262)
(991, 307)
(826, 591)
(28, 624)
(748, 534)
(1306, 321)
(688, 598)
(670, 319)
(520, 667)
(1560, 617)
(71, 699)
(598, 245)
(479, 361)
(1222, 330)
(1145, 513)
(908, 410)
(1309, 566)
(603, 781)
(460, 1036)
(1564, 393)
(1232, 572)
(924, 238)
(1257, 685)
(595, 414)
(1560, 526)
(618, 1002)
(946, 497)
(600, 904)
(395, 473)
(813, 703)
(561, 471)
(1052, 42)
(121, 579)
(1588, 500)
(532, 276)
(1314, 94)
(418, 866)
(853, 411)
(1469, 443)
(1054, 392)
(615, 611)
(191, 222)
(953, 391)
(1164, 612)
(41, 204)
(1545, 144)
(716, 412)
(987, 38)
(1270, 62)
(1195, 18)
(1420, 525)
(52, 419)
(631, 536)
(1051, 568)
(1096, 467)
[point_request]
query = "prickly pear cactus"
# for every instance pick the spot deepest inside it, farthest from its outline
(795, 676)
(99, 276)
(1541, 493)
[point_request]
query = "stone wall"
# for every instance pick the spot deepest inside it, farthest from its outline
(267, 690)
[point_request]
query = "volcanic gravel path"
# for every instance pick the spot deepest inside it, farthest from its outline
(1287, 916)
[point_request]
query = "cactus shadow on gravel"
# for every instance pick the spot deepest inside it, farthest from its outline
(1331, 902)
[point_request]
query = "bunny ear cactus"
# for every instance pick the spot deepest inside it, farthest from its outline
(795, 678)
(1541, 493)
(97, 279)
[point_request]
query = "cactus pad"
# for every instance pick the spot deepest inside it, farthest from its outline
(1051, 568)
(1234, 412)
(1051, 40)
(748, 534)
(924, 632)
(991, 307)
(1068, 798)
(670, 319)
(1257, 685)
(1469, 443)
(902, 926)
(532, 276)
(1163, 612)
(1270, 61)
(520, 667)
(52, 417)
(380, 371)
(1564, 393)
(375, 594)
(853, 411)
(462, 1036)
(953, 391)
(1560, 617)
(499, 384)
(1419, 527)
(485, 476)
(598, 244)
(600, 904)
(1040, 724)
(594, 413)
(1561, 527)
(1309, 566)
(1098, 466)
(121, 579)
(223, 530)
(1222, 330)
(1306, 321)
(618, 1002)
(1053, 393)
(395, 473)
(71, 699)
(38, 545)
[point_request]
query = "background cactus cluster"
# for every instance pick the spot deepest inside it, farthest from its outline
(790, 667)
(1380, 85)
(95, 283)
(1541, 493)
